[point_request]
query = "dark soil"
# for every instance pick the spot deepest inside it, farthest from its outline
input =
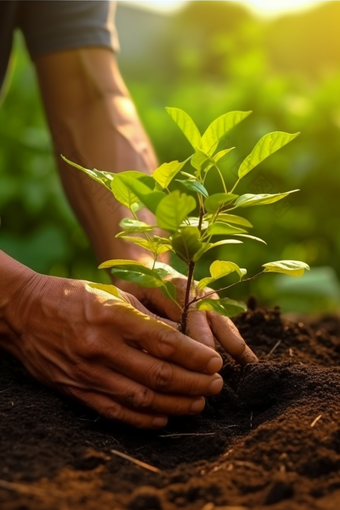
(269, 440)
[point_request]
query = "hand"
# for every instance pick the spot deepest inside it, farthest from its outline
(111, 355)
(202, 326)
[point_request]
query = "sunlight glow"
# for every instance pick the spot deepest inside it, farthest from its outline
(266, 8)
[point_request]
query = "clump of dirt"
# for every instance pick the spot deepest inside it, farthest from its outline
(270, 439)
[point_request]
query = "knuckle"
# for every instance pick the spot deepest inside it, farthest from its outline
(141, 399)
(166, 342)
(114, 412)
(162, 376)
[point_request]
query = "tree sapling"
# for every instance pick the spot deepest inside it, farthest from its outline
(192, 223)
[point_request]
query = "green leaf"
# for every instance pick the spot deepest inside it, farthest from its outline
(155, 246)
(266, 146)
(123, 193)
(110, 289)
(254, 238)
(231, 218)
(147, 196)
(138, 277)
(194, 185)
(248, 200)
(219, 269)
(198, 159)
(186, 125)
(220, 228)
(214, 202)
(133, 264)
(227, 307)
(290, 267)
(166, 172)
(219, 155)
(186, 243)
(169, 290)
(133, 271)
(172, 210)
(104, 178)
(131, 226)
(219, 128)
(193, 221)
(208, 246)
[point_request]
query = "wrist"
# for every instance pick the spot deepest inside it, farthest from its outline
(16, 280)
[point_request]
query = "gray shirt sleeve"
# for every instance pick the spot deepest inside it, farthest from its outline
(51, 26)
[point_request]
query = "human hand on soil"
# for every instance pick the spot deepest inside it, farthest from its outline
(112, 355)
(203, 326)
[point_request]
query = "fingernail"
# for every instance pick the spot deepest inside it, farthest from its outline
(216, 386)
(214, 365)
(197, 406)
(159, 422)
(247, 357)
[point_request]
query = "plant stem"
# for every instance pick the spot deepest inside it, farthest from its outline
(184, 317)
(196, 299)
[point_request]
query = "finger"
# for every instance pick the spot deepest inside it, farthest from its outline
(162, 376)
(229, 337)
(137, 396)
(163, 342)
(113, 410)
(199, 328)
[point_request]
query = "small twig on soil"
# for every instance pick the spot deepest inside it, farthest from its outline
(136, 461)
(316, 420)
(273, 349)
(189, 434)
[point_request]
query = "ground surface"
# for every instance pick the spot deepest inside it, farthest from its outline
(270, 440)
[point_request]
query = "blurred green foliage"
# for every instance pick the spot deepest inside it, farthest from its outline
(213, 58)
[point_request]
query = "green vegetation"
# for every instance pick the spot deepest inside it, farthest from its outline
(213, 58)
(190, 237)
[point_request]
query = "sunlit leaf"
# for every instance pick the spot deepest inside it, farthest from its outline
(220, 269)
(173, 208)
(220, 228)
(219, 128)
(248, 200)
(166, 172)
(214, 202)
(201, 158)
(110, 289)
(253, 238)
(147, 196)
(123, 193)
(152, 245)
(198, 159)
(104, 178)
(193, 221)
(186, 243)
(227, 307)
(231, 218)
(132, 226)
(290, 267)
(208, 246)
(193, 185)
(266, 146)
(219, 155)
(186, 125)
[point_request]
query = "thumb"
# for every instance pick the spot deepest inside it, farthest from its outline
(130, 298)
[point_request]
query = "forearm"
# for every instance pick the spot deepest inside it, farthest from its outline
(93, 122)
(15, 282)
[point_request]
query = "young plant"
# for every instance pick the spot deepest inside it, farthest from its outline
(192, 223)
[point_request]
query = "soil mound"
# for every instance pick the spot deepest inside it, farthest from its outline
(270, 439)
